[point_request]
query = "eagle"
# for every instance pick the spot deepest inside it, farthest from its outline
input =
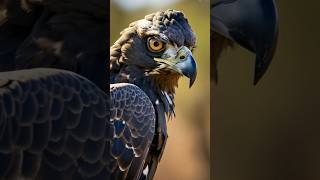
(150, 56)
(59, 119)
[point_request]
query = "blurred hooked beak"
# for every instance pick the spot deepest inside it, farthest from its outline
(251, 23)
(182, 63)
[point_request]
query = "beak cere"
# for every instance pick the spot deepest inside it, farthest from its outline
(188, 67)
(179, 61)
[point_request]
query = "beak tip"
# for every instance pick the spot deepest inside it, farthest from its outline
(263, 60)
(256, 79)
(259, 72)
(192, 80)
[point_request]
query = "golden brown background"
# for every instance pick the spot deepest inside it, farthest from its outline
(271, 131)
(186, 156)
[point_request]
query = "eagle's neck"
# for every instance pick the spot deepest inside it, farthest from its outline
(159, 88)
(166, 83)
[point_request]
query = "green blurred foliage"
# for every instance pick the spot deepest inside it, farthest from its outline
(187, 152)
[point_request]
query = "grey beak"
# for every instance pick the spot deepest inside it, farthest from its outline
(188, 68)
(251, 23)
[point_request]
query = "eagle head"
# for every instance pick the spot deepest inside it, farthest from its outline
(159, 48)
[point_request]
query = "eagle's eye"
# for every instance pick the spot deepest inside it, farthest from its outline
(155, 45)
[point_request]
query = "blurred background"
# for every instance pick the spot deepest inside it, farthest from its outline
(187, 153)
(271, 131)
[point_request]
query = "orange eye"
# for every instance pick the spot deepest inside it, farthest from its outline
(155, 45)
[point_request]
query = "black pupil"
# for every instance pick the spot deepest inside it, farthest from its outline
(156, 44)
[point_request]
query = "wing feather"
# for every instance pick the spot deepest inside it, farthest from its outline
(44, 122)
(133, 116)
(59, 123)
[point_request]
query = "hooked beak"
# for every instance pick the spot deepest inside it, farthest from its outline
(188, 67)
(182, 63)
(251, 23)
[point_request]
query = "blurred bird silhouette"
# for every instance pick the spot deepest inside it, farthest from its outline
(57, 118)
